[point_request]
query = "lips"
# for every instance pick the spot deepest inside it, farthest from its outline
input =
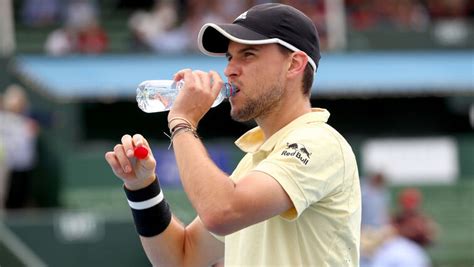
(235, 92)
(235, 89)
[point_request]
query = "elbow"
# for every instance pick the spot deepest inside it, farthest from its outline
(219, 222)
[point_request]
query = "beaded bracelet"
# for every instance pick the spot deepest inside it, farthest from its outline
(180, 128)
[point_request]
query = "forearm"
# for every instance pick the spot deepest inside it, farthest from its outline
(166, 241)
(161, 235)
(167, 248)
(208, 188)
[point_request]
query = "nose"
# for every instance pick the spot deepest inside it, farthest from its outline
(231, 70)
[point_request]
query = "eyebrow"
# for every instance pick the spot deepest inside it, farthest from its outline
(243, 50)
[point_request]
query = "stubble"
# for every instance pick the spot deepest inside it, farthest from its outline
(258, 106)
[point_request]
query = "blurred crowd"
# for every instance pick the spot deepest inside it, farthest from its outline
(171, 26)
(18, 136)
(406, 14)
(396, 235)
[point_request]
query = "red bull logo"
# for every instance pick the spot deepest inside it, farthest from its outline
(298, 151)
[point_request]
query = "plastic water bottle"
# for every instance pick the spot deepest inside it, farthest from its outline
(159, 95)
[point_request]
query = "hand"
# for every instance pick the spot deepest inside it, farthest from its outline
(196, 98)
(135, 173)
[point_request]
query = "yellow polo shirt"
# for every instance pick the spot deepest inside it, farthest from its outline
(317, 169)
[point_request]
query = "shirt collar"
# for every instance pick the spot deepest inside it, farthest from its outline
(254, 139)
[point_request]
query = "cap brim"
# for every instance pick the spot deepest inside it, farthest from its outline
(213, 39)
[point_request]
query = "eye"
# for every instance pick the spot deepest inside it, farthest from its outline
(248, 54)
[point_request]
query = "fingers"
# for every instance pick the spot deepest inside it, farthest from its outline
(180, 74)
(139, 140)
(134, 172)
(217, 81)
(127, 143)
(199, 79)
(122, 158)
(114, 164)
(149, 161)
(200, 90)
(130, 143)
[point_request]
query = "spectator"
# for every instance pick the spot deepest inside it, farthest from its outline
(161, 31)
(79, 13)
(61, 42)
(83, 17)
(40, 13)
(81, 33)
(92, 39)
(20, 150)
(451, 21)
(401, 15)
(408, 15)
(360, 14)
(182, 38)
(148, 27)
(198, 14)
(406, 245)
(409, 201)
(410, 232)
(375, 202)
(230, 9)
(375, 214)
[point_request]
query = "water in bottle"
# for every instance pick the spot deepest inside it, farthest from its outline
(159, 95)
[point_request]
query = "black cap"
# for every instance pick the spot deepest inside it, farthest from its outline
(264, 24)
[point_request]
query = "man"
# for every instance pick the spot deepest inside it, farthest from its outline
(294, 199)
(405, 244)
(19, 133)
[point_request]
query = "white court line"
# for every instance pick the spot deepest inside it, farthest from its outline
(17, 247)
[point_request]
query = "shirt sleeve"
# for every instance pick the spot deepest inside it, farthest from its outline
(308, 163)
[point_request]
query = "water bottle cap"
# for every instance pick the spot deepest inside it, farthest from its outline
(230, 89)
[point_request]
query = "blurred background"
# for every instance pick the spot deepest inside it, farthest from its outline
(396, 75)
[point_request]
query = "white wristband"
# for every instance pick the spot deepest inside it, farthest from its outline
(147, 203)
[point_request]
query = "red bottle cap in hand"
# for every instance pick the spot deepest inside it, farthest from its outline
(140, 152)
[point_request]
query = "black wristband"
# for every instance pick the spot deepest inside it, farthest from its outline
(151, 212)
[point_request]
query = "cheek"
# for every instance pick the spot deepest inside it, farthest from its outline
(268, 72)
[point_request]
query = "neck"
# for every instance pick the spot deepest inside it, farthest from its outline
(285, 112)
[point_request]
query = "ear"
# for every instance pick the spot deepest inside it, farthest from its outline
(299, 60)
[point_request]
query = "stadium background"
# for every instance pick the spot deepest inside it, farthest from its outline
(372, 87)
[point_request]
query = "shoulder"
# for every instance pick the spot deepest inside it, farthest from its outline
(319, 139)
(319, 135)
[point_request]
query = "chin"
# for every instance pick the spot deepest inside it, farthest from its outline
(236, 116)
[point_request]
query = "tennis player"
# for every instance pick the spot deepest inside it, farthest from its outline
(293, 200)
